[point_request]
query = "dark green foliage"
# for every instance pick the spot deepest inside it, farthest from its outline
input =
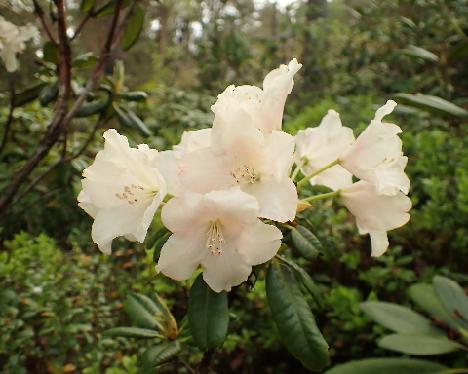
(208, 315)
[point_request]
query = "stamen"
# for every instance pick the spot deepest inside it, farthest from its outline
(134, 192)
(215, 238)
(245, 174)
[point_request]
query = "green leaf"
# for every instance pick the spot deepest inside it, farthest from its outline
(419, 345)
(388, 366)
(133, 96)
(419, 52)
(109, 8)
(133, 28)
(294, 319)
(159, 354)
(306, 281)
(159, 244)
(140, 312)
(208, 315)
(48, 94)
(306, 242)
(85, 60)
(29, 94)
(50, 51)
(130, 119)
(425, 297)
(433, 104)
(153, 237)
(132, 332)
(92, 108)
(452, 296)
(398, 318)
(138, 123)
(86, 5)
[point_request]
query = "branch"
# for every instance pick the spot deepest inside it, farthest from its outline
(64, 159)
(9, 120)
(62, 117)
(81, 25)
(40, 13)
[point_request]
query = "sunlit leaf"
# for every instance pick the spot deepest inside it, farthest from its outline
(399, 318)
(418, 345)
(419, 52)
(132, 332)
(431, 103)
(452, 296)
(388, 366)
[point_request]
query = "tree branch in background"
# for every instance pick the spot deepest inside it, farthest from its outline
(40, 14)
(62, 116)
(82, 24)
(7, 126)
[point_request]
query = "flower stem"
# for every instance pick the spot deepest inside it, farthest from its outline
(304, 180)
(321, 196)
(298, 167)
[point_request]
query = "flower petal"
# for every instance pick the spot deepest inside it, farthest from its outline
(259, 243)
(180, 256)
(277, 198)
(225, 270)
(379, 243)
(279, 151)
(335, 178)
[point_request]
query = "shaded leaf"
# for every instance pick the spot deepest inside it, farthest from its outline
(140, 312)
(50, 53)
(306, 281)
(86, 5)
(208, 315)
(29, 94)
(294, 319)
(133, 96)
(159, 244)
(92, 108)
(159, 354)
(388, 366)
(419, 345)
(130, 119)
(49, 93)
(133, 28)
(306, 242)
(398, 318)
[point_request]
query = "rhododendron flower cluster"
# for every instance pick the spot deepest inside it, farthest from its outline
(225, 191)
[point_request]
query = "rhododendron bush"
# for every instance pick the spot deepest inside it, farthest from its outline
(229, 195)
(220, 186)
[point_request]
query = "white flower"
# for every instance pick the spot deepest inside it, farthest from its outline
(320, 146)
(12, 42)
(171, 163)
(244, 156)
(265, 106)
(121, 190)
(375, 213)
(219, 231)
(376, 156)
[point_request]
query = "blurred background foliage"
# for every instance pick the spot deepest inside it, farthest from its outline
(59, 293)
